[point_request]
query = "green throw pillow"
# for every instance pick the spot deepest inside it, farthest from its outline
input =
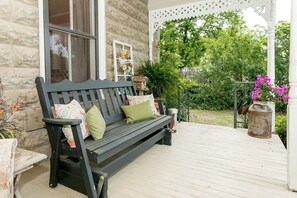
(95, 123)
(138, 112)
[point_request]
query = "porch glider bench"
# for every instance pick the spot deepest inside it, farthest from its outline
(86, 167)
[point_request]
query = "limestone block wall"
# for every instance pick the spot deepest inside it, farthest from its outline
(19, 65)
(127, 21)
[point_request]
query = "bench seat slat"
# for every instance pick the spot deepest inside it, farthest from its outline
(119, 132)
(116, 146)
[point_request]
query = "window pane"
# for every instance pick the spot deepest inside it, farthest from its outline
(82, 59)
(59, 56)
(59, 12)
(83, 16)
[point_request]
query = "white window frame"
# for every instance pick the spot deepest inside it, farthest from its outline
(101, 39)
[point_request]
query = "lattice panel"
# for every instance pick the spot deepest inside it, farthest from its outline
(200, 8)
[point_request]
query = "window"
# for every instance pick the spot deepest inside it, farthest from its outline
(71, 40)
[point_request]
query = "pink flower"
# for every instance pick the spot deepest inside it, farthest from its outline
(278, 90)
(267, 78)
(286, 98)
(266, 91)
(285, 87)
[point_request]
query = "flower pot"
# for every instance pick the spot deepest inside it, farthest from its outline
(260, 120)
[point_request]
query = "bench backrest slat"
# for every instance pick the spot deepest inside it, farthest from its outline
(55, 98)
(122, 91)
(93, 99)
(108, 96)
(113, 100)
(108, 103)
(65, 97)
(85, 100)
(75, 95)
(101, 103)
(120, 102)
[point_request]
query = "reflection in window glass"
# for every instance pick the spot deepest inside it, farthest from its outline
(82, 52)
(59, 12)
(59, 56)
(82, 15)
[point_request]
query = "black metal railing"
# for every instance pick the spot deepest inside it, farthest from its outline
(242, 95)
(183, 114)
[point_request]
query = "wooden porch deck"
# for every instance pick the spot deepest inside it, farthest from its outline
(204, 161)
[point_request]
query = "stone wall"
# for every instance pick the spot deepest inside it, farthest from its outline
(127, 21)
(19, 65)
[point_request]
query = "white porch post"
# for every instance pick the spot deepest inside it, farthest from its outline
(292, 107)
(151, 37)
(271, 53)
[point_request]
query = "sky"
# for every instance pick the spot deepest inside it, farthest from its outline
(283, 13)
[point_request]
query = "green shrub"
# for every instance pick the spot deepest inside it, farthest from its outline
(162, 78)
(281, 128)
(205, 97)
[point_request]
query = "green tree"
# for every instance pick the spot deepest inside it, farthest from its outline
(282, 52)
(282, 55)
(181, 41)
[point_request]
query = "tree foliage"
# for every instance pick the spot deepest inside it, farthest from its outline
(225, 50)
(282, 52)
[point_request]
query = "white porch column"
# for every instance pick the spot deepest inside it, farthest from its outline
(271, 53)
(292, 107)
(151, 37)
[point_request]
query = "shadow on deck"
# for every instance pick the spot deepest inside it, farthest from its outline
(204, 161)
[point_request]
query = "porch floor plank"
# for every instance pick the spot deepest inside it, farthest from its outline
(204, 161)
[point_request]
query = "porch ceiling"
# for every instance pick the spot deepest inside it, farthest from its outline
(169, 10)
(157, 4)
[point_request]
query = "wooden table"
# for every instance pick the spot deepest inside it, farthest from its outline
(24, 160)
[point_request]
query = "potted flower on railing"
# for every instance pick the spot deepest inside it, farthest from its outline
(260, 113)
(265, 91)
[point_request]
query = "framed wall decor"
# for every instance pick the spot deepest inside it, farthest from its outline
(123, 61)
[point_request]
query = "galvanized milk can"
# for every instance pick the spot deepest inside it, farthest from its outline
(260, 120)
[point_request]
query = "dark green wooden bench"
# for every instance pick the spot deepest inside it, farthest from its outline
(87, 167)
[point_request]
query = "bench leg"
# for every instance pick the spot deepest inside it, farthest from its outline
(167, 138)
(84, 162)
(103, 185)
(55, 158)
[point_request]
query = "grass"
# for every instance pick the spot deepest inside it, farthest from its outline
(222, 118)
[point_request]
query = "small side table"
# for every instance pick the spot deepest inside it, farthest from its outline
(23, 161)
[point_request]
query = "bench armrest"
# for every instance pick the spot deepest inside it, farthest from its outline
(58, 121)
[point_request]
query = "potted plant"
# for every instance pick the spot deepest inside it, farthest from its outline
(8, 129)
(161, 78)
(265, 91)
(260, 113)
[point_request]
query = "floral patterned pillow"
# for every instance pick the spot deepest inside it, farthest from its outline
(133, 100)
(73, 110)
